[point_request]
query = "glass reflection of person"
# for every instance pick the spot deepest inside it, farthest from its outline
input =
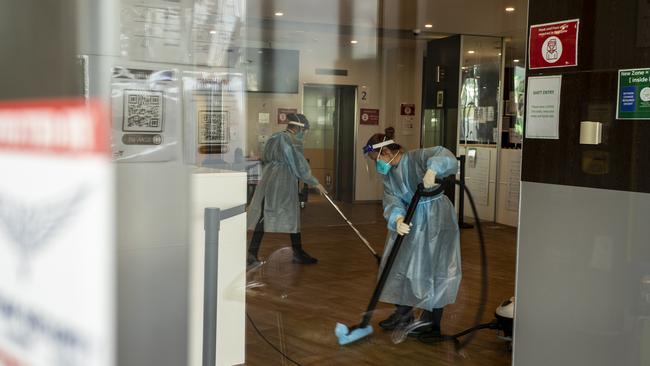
(275, 207)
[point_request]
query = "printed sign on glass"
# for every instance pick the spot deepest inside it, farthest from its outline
(213, 127)
(633, 94)
(143, 111)
(57, 264)
(145, 107)
(553, 44)
(213, 106)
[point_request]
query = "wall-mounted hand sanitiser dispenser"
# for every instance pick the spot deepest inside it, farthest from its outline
(591, 133)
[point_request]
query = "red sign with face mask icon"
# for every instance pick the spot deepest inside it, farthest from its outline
(553, 44)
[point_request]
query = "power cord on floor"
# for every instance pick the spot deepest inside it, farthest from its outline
(269, 342)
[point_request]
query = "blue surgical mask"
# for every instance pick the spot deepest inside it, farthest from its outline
(300, 135)
(382, 167)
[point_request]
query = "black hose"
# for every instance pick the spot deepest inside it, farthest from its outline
(269, 342)
(436, 338)
(484, 272)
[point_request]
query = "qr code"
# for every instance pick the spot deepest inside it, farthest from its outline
(143, 111)
(213, 127)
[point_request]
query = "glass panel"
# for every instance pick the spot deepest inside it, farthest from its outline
(480, 87)
(432, 127)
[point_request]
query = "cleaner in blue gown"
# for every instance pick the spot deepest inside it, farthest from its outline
(427, 271)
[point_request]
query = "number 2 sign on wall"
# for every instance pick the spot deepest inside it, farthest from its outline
(364, 95)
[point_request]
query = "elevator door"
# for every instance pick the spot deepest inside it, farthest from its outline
(329, 146)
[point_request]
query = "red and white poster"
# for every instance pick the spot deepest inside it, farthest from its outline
(57, 266)
(553, 44)
(369, 116)
(283, 114)
(407, 109)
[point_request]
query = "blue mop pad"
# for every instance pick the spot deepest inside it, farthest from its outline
(346, 337)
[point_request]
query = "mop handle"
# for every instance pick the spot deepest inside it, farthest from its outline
(352, 226)
(420, 192)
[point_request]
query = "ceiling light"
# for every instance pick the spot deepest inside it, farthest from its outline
(354, 41)
(428, 26)
(499, 53)
(510, 9)
(515, 60)
(470, 52)
(279, 14)
(213, 32)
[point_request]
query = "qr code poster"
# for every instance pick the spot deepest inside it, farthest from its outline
(213, 127)
(146, 110)
(214, 119)
(143, 111)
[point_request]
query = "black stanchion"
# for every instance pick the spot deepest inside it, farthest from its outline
(461, 196)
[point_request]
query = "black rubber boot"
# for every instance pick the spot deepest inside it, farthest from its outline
(431, 327)
(299, 255)
(256, 242)
(400, 318)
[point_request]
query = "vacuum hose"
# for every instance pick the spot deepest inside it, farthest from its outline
(484, 273)
(436, 338)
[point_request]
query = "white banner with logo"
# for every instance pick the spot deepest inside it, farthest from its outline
(56, 235)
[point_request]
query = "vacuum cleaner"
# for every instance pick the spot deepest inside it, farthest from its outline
(503, 323)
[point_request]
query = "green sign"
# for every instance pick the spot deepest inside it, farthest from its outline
(633, 94)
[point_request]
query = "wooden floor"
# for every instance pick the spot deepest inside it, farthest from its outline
(296, 307)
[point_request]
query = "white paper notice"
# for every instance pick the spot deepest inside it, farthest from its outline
(154, 30)
(263, 118)
(543, 111)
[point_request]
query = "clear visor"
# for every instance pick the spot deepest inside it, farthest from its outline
(371, 153)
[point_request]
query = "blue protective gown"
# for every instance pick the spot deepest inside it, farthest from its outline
(284, 165)
(427, 271)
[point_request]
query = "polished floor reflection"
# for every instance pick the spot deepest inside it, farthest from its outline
(296, 307)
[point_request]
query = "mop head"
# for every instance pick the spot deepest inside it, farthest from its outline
(346, 337)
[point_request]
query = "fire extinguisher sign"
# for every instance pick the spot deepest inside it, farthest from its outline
(553, 44)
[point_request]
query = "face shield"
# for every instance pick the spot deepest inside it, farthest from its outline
(374, 158)
(302, 122)
(301, 131)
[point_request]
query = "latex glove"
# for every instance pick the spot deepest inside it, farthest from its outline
(402, 228)
(321, 189)
(429, 179)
